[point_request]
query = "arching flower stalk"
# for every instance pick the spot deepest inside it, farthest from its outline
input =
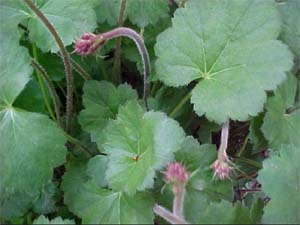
(221, 166)
(88, 44)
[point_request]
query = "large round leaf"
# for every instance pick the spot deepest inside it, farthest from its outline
(31, 146)
(230, 47)
(138, 144)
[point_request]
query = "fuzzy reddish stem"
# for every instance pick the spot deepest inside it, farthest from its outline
(127, 32)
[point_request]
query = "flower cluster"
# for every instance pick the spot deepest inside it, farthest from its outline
(222, 168)
(88, 43)
(176, 173)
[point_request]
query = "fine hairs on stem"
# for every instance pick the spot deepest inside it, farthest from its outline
(66, 61)
(51, 88)
(127, 32)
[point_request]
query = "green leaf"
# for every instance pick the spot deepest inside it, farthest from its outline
(223, 213)
(58, 220)
(97, 205)
(45, 204)
(96, 170)
(28, 155)
(139, 12)
(12, 12)
(108, 11)
(138, 144)
(101, 101)
(255, 134)
(31, 98)
(280, 179)
(70, 18)
(280, 126)
(290, 33)
(198, 159)
(14, 74)
(233, 55)
(145, 12)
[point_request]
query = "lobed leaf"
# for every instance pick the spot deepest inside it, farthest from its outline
(234, 56)
(280, 179)
(28, 155)
(138, 144)
(280, 126)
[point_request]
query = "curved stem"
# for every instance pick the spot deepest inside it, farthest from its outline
(55, 98)
(127, 32)
(41, 83)
(80, 70)
(180, 105)
(117, 60)
(66, 61)
(224, 140)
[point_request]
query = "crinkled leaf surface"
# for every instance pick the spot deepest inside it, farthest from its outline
(145, 12)
(230, 47)
(280, 126)
(280, 179)
(101, 101)
(290, 33)
(138, 144)
(97, 205)
(28, 155)
(58, 220)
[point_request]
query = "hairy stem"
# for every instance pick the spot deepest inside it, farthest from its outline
(80, 70)
(127, 32)
(66, 61)
(55, 98)
(178, 201)
(41, 83)
(224, 140)
(117, 60)
(167, 215)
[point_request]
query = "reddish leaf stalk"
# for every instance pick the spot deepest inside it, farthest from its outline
(127, 32)
(88, 43)
(66, 61)
(168, 216)
(221, 166)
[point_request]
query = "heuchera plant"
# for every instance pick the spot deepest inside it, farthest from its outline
(149, 112)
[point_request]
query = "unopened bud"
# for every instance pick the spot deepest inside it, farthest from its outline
(88, 43)
(176, 173)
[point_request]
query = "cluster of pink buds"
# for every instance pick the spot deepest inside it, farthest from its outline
(88, 43)
(176, 174)
(221, 167)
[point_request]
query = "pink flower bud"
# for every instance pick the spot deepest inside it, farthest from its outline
(222, 168)
(88, 43)
(176, 173)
